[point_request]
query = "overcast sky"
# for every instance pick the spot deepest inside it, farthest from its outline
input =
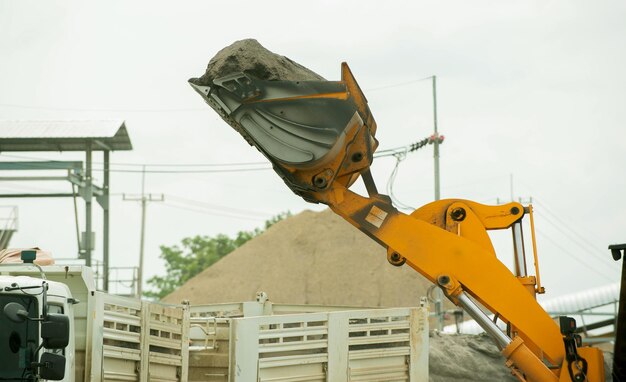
(535, 89)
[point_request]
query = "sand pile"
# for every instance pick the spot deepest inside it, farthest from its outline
(475, 358)
(309, 258)
(466, 358)
(250, 57)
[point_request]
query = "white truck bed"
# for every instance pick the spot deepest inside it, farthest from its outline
(135, 340)
(264, 342)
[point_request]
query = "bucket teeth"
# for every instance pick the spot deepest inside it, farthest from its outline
(204, 91)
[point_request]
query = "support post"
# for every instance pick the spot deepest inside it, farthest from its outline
(105, 223)
(141, 246)
(88, 201)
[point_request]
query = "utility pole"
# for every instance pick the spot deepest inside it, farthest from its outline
(520, 199)
(436, 140)
(144, 199)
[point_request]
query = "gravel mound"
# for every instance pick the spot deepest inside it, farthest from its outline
(465, 357)
(250, 57)
(309, 258)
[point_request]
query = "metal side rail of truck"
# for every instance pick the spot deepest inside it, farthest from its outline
(54, 325)
(264, 341)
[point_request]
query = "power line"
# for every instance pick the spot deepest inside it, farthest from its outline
(139, 110)
(171, 205)
(206, 205)
(191, 171)
(194, 165)
(8, 185)
(575, 236)
(555, 216)
(189, 164)
(403, 149)
(571, 255)
(475, 182)
(246, 166)
(604, 259)
(399, 84)
(175, 109)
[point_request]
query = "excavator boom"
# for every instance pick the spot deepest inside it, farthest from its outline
(320, 138)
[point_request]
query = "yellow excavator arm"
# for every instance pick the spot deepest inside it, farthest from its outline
(320, 138)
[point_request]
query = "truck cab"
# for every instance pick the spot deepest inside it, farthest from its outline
(109, 337)
(36, 314)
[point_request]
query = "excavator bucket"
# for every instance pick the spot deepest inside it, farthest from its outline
(314, 133)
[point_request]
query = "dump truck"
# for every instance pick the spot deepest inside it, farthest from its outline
(55, 325)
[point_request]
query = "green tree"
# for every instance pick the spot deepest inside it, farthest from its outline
(194, 254)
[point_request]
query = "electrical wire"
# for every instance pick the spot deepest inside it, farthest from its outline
(138, 110)
(186, 164)
(377, 154)
(575, 233)
(390, 152)
(399, 84)
(245, 166)
(206, 205)
(402, 149)
(571, 255)
(11, 185)
(400, 154)
(390, 183)
(190, 171)
(204, 212)
(208, 208)
(214, 167)
(575, 239)
(175, 109)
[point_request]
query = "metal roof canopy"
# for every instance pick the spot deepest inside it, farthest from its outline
(64, 136)
(87, 136)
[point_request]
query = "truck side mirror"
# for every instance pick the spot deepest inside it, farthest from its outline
(15, 312)
(52, 367)
(55, 331)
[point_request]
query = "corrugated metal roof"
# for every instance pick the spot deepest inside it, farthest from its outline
(63, 135)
